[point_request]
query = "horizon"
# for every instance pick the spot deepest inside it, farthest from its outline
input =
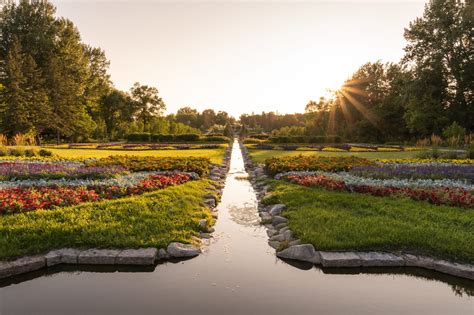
(269, 56)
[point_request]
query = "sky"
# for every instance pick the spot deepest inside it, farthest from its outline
(241, 56)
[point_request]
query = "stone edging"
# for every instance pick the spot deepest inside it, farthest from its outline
(281, 238)
(138, 257)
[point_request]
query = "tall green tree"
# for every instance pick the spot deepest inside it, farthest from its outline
(116, 108)
(440, 52)
(27, 107)
(148, 103)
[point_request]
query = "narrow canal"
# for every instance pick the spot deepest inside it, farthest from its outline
(237, 274)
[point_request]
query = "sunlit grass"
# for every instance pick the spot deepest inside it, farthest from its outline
(149, 220)
(349, 221)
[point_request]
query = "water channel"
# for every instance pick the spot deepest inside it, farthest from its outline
(238, 273)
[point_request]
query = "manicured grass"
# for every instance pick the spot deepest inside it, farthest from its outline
(216, 155)
(260, 156)
(350, 221)
(153, 219)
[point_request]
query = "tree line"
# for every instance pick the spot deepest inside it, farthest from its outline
(430, 91)
(55, 86)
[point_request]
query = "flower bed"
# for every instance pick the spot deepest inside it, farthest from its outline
(19, 170)
(443, 195)
(425, 171)
(30, 185)
(138, 163)
(21, 199)
(313, 163)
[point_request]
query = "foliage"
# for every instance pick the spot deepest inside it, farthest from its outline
(20, 152)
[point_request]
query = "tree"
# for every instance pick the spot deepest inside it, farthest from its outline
(188, 116)
(148, 103)
(115, 109)
(64, 76)
(67, 77)
(440, 44)
(228, 131)
(27, 107)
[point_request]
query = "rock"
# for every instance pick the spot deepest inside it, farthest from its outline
(215, 214)
(162, 254)
(143, 256)
(271, 232)
(179, 250)
(454, 269)
(205, 235)
(418, 261)
(278, 220)
(377, 259)
(211, 230)
(295, 242)
(276, 209)
(340, 259)
(210, 202)
(274, 244)
(69, 255)
(284, 229)
(277, 237)
(287, 235)
(6, 269)
(27, 264)
(265, 217)
(280, 226)
(304, 252)
(95, 256)
(203, 224)
(53, 258)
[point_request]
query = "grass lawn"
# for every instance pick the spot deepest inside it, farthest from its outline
(350, 221)
(149, 220)
(260, 156)
(216, 155)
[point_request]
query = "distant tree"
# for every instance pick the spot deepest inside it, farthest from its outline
(148, 103)
(115, 109)
(188, 116)
(228, 130)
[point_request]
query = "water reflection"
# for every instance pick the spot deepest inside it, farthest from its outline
(238, 273)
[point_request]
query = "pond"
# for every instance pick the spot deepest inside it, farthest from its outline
(238, 273)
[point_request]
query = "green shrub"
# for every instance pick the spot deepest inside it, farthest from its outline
(260, 136)
(45, 153)
(138, 137)
(162, 138)
(470, 152)
(189, 137)
(30, 153)
(16, 152)
(3, 151)
(454, 130)
(216, 139)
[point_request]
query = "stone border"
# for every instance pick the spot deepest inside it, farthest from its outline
(137, 257)
(282, 239)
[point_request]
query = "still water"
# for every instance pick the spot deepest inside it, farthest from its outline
(237, 274)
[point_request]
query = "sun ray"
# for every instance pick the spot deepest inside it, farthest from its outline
(345, 110)
(361, 108)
